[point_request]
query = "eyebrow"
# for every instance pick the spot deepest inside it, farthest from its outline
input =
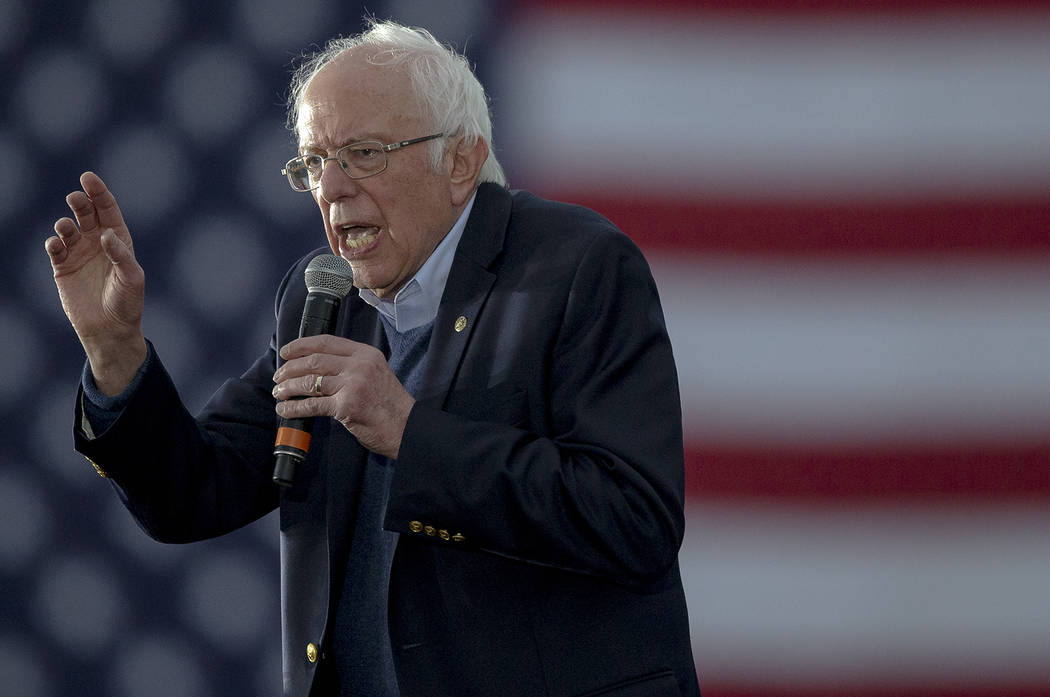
(304, 149)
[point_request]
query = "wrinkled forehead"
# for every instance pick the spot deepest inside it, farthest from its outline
(357, 94)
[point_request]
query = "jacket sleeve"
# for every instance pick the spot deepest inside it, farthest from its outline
(187, 478)
(595, 485)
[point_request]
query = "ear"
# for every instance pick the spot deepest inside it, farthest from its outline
(466, 168)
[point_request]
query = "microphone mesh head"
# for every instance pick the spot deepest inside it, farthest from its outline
(327, 273)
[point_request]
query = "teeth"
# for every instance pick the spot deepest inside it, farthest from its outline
(356, 242)
(361, 239)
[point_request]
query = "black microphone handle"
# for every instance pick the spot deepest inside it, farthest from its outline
(293, 435)
(319, 314)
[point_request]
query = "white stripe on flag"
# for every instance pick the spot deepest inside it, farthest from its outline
(808, 106)
(808, 351)
(879, 595)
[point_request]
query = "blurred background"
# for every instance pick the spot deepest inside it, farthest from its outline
(846, 206)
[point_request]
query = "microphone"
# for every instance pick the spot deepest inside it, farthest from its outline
(328, 280)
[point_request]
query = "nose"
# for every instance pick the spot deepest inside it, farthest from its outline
(335, 183)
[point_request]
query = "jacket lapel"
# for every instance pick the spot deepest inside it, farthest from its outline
(469, 283)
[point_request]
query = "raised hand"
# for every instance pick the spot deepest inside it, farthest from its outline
(101, 285)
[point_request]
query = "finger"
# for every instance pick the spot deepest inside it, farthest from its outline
(66, 229)
(297, 367)
(301, 408)
(321, 343)
(308, 368)
(306, 392)
(84, 211)
(315, 385)
(107, 211)
(309, 385)
(56, 250)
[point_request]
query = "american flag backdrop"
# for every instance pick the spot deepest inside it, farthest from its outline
(846, 206)
(847, 209)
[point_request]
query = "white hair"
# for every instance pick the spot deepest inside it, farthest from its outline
(448, 93)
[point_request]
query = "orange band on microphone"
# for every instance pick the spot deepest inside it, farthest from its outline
(293, 438)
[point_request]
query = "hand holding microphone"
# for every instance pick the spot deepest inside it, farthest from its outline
(328, 280)
(325, 375)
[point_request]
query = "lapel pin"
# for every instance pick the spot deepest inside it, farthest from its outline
(461, 323)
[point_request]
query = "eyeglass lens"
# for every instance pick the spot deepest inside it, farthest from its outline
(358, 160)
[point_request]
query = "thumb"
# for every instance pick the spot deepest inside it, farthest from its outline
(116, 251)
(121, 257)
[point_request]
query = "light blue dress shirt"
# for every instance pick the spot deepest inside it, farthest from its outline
(417, 301)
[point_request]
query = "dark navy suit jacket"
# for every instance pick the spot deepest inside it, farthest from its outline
(538, 493)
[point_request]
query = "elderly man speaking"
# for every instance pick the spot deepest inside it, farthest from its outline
(491, 496)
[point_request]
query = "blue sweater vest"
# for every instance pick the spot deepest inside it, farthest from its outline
(361, 639)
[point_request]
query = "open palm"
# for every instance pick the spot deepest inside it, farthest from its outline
(100, 283)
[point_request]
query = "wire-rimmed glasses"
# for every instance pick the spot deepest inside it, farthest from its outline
(360, 160)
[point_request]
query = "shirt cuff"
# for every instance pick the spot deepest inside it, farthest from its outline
(100, 410)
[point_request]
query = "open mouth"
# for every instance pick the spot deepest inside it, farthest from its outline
(356, 238)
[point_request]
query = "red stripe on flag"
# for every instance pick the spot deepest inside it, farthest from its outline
(1021, 690)
(1011, 226)
(998, 472)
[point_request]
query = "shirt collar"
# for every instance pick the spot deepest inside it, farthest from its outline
(417, 302)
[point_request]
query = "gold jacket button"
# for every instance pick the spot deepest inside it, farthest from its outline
(311, 652)
(458, 537)
(415, 526)
(443, 534)
(430, 530)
